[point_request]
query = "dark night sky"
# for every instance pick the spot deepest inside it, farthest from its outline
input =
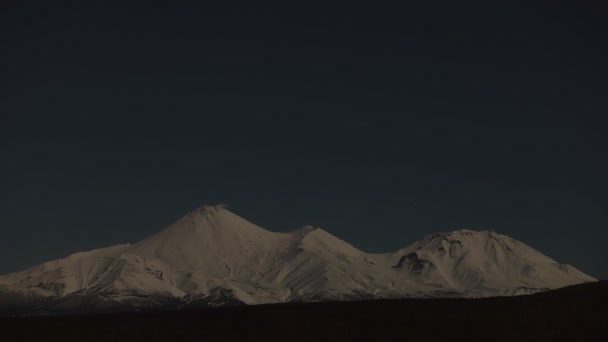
(379, 123)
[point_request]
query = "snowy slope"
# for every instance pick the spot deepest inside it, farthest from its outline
(479, 263)
(214, 255)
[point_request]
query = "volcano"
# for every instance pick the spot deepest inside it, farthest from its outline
(213, 257)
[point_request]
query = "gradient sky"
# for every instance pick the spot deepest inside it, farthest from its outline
(378, 123)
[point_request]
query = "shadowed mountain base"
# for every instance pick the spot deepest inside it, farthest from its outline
(579, 312)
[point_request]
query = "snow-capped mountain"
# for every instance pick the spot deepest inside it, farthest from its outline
(484, 263)
(214, 256)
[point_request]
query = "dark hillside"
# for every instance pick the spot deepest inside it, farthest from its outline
(578, 312)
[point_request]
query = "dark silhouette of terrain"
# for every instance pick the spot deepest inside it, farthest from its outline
(578, 312)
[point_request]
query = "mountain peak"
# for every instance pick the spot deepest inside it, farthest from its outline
(210, 209)
(476, 260)
(205, 235)
(212, 249)
(210, 218)
(457, 234)
(206, 211)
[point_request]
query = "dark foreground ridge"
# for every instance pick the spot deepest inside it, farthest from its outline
(578, 312)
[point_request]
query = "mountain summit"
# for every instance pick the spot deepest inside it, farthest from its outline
(213, 257)
(478, 262)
